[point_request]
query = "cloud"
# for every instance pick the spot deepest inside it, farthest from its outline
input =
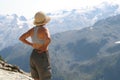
(29, 7)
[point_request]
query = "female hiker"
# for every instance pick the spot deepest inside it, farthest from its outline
(39, 59)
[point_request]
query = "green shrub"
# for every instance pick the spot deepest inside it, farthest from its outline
(1, 58)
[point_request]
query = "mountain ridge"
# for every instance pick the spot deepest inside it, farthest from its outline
(61, 21)
(80, 51)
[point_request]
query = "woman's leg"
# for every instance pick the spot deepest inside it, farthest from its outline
(34, 72)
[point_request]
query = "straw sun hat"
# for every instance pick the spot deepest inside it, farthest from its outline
(40, 19)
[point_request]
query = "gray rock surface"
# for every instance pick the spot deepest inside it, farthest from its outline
(11, 72)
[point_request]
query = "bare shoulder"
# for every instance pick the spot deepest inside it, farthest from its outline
(47, 32)
(26, 34)
(45, 29)
(31, 30)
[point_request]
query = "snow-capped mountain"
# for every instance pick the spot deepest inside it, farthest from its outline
(77, 19)
(12, 26)
(87, 54)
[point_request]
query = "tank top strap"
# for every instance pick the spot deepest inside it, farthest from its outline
(35, 31)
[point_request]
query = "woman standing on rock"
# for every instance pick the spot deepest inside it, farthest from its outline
(39, 60)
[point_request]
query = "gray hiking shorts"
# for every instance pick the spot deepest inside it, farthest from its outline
(40, 65)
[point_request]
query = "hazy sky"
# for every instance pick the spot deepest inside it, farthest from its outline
(29, 7)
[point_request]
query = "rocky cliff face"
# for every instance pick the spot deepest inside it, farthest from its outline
(11, 72)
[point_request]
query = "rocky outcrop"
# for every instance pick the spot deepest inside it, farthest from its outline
(9, 67)
(12, 72)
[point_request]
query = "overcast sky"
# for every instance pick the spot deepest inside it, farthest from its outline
(29, 7)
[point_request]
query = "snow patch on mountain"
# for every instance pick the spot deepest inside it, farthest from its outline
(117, 42)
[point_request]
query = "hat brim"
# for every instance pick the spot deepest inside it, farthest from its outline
(47, 19)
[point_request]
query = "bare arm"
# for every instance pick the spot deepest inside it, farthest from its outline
(47, 40)
(24, 36)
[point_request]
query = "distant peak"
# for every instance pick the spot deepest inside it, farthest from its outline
(22, 18)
